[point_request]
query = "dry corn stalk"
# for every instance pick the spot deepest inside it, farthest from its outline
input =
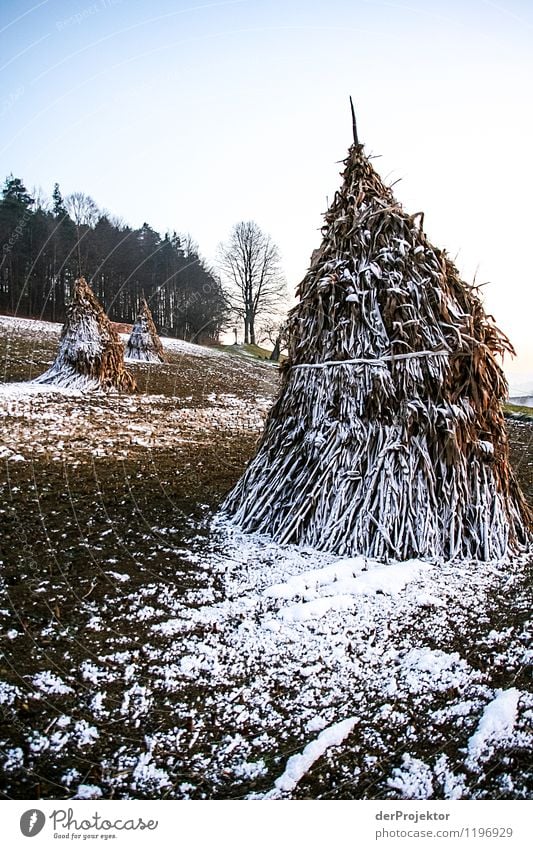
(387, 438)
(91, 355)
(144, 343)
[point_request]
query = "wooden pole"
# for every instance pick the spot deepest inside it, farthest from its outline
(354, 123)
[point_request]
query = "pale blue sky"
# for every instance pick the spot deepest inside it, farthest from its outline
(194, 115)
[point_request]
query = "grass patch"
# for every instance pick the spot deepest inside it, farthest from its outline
(247, 351)
(519, 409)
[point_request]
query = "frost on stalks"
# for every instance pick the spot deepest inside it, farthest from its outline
(144, 343)
(387, 438)
(91, 355)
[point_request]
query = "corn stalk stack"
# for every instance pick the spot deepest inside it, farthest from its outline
(144, 343)
(387, 438)
(91, 354)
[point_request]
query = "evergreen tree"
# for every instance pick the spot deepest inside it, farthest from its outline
(15, 238)
(59, 209)
(15, 191)
(43, 250)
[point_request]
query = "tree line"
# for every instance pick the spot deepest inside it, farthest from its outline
(47, 243)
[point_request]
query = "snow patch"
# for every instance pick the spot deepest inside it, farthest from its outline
(495, 726)
(413, 780)
(298, 765)
(8, 693)
(25, 388)
(334, 586)
(87, 791)
(147, 776)
(427, 670)
(51, 684)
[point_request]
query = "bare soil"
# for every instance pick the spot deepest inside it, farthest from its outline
(95, 487)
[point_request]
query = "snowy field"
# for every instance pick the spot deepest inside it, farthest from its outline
(523, 401)
(152, 651)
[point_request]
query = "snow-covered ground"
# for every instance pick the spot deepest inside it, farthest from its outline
(11, 324)
(195, 396)
(521, 391)
(44, 421)
(522, 400)
(285, 672)
(179, 346)
(151, 650)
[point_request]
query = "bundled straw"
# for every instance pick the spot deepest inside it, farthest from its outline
(91, 355)
(387, 438)
(144, 343)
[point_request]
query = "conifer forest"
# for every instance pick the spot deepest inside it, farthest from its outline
(45, 245)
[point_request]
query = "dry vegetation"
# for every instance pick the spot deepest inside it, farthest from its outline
(140, 654)
(90, 354)
(144, 343)
(388, 435)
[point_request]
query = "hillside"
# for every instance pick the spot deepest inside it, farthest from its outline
(153, 651)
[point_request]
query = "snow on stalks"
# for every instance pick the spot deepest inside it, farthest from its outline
(91, 355)
(144, 343)
(387, 438)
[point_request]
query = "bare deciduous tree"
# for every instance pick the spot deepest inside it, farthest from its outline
(84, 212)
(249, 263)
(82, 209)
(41, 201)
(274, 330)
